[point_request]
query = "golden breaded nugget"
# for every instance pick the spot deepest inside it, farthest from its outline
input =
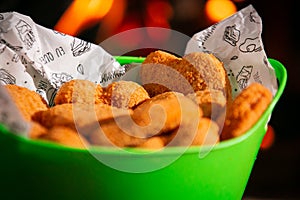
(65, 136)
(212, 71)
(245, 110)
(27, 101)
(113, 132)
(162, 72)
(212, 102)
(125, 94)
(79, 91)
(163, 113)
(156, 142)
(77, 115)
(207, 133)
(36, 130)
(168, 111)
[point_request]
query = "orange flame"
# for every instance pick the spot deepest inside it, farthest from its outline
(82, 14)
(217, 10)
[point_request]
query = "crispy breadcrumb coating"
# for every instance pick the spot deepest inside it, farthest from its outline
(36, 130)
(65, 136)
(162, 72)
(79, 91)
(212, 71)
(207, 133)
(113, 132)
(245, 110)
(212, 102)
(27, 101)
(153, 143)
(77, 115)
(125, 94)
(164, 112)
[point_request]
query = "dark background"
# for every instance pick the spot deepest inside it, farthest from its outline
(276, 171)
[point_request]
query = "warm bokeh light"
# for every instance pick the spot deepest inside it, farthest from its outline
(158, 14)
(82, 14)
(158, 11)
(268, 139)
(217, 10)
(112, 21)
(131, 39)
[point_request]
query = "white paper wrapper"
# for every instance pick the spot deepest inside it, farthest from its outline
(42, 59)
(237, 42)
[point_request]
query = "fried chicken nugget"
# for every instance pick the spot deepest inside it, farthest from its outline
(79, 91)
(155, 116)
(154, 143)
(245, 110)
(27, 101)
(207, 133)
(65, 136)
(77, 115)
(150, 120)
(36, 130)
(163, 113)
(212, 71)
(125, 94)
(212, 102)
(113, 132)
(162, 72)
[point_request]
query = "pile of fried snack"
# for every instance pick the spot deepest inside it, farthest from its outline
(182, 101)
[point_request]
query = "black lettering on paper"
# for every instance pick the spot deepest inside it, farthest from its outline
(60, 52)
(208, 33)
(111, 75)
(46, 58)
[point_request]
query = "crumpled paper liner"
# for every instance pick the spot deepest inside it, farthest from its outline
(42, 59)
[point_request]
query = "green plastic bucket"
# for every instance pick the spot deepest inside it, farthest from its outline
(43, 170)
